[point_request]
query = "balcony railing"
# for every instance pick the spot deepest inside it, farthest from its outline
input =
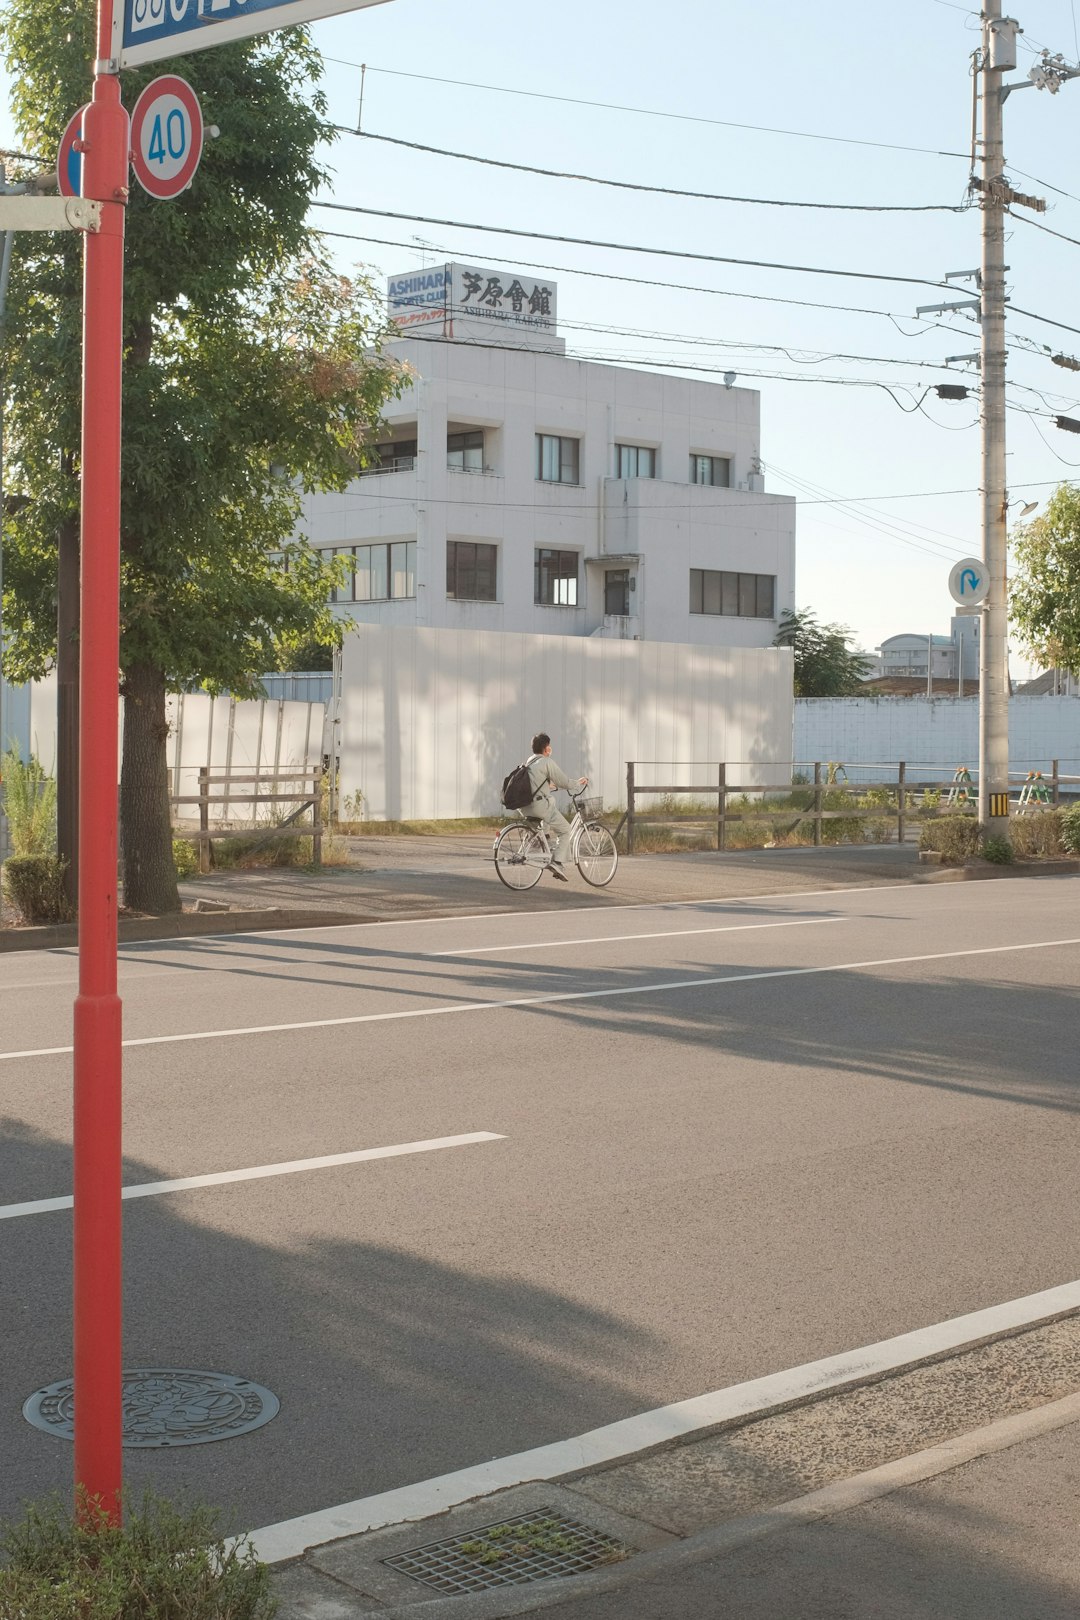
(395, 464)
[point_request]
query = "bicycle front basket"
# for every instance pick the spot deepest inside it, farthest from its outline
(591, 807)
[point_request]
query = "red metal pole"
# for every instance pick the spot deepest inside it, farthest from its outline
(97, 1038)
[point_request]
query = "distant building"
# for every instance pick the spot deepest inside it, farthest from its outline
(941, 658)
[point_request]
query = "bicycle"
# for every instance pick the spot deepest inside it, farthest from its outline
(522, 852)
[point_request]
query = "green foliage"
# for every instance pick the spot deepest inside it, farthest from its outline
(185, 858)
(956, 838)
(35, 886)
(1070, 829)
(1037, 836)
(165, 1562)
(998, 850)
(826, 664)
(1044, 589)
(29, 804)
(253, 374)
(931, 799)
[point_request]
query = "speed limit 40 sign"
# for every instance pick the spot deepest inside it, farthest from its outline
(166, 136)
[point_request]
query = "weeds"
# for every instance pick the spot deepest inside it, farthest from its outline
(167, 1562)
(30, 805)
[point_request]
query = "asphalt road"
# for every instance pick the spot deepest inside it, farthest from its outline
(731, 1137)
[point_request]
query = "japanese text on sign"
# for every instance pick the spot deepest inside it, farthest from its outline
(459, 292)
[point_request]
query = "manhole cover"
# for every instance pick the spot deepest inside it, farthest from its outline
(165, 1406)
(532, 1547)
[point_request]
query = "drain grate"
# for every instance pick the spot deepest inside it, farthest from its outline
(531, 1547)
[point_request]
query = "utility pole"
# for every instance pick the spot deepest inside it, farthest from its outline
(999, 55)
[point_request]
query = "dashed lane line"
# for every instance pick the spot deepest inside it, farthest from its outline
(618, 939)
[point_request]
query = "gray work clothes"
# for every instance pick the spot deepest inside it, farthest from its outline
(546, 777)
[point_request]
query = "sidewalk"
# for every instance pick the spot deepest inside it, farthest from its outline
(948, 1490)
(393, 878)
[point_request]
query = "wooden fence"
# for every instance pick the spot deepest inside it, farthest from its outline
(267, 790)
(903, 808)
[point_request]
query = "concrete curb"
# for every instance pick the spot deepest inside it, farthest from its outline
(1019, 869)
(842, 1496)
(186, 925)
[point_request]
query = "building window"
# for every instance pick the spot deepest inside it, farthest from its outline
(715, 470)
(384, 573)
(634, 461)
(470, 571)
(555, 578)
(617, 591)
(465, 451)
(556, 459)
(730, 595)
(343, 593)
(399, 456)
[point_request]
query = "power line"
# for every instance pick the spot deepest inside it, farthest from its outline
(643, 112)
(625, 247)
(1045, 183)
(645, 281)
(1045, 319)
(660, 191)
(1040, 227)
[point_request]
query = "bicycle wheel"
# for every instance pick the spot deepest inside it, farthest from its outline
(595, 853)
(520, 856)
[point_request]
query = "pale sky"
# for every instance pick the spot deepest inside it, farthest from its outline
(852, 71)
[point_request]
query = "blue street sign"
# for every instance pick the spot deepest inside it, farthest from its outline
(969, 582)
(150, 30)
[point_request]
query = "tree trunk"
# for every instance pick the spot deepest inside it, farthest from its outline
(149, 870)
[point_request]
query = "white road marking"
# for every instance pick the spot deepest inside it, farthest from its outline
(613, 1441)
(380, 923)
(547, 1001)
(617, 939)
(259, 1172)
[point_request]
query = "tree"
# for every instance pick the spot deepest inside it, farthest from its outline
(1044, 591)
(252, 373)
(826, 665)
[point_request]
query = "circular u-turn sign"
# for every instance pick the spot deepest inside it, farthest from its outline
(166, 136)
(969, 582)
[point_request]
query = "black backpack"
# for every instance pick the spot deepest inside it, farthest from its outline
(517, 789)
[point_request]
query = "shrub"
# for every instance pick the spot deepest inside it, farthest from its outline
(998, 850)
(1038, 835)
(35, 886)
(1070, 829)
(956, 837)
(165, 1562)
(185, 858)
(30, 805)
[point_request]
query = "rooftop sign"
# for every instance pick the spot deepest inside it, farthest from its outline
(470, 302)
(151, 30)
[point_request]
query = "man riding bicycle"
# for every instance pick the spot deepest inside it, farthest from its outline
(546, 778)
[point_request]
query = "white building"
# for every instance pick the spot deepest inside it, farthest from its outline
(951, 657)
(521, 490)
